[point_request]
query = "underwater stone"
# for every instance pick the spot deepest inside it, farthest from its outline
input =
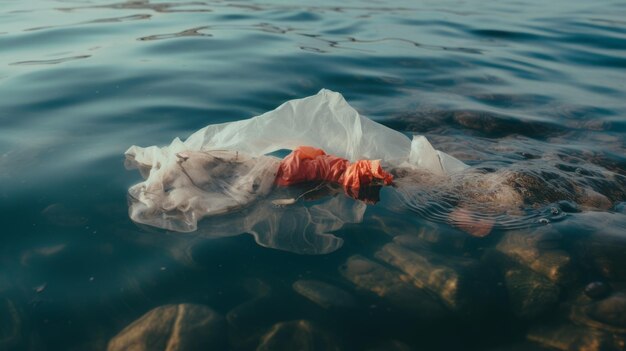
(444, 239)
(539, 251)
(434, 237)
(393, 287)
(605, 252)
(471, 222)
(569, 337)
(300, 335)
(611, 310)
(541, 187)
(173, 328)
(413, 242)
(530, 294)
(608, 314)
(597, 290)
(324, 294)
(588, 198)
(249, 320)
(393, 226)
(251, 312)
(460, 283)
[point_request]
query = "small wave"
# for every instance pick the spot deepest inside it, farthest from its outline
(50, 62)
(527, 193)
(101, 20)
(163, 7)
(192, 32)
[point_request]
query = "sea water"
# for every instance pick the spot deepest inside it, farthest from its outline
(507, 86)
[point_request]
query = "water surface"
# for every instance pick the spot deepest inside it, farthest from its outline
(523, 86)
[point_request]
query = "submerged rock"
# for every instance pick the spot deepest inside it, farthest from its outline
(592, 199)
(392, 225)
(461, 283)
(249, 320)
(300, 335)
(583, 323)
(173, 328)
(608, 314)
(604, 251)
(569, 337)
(395, 288)
(324, 294)
(440, 237)
(541, 187)
(530, 294)
(539, 251)
(597, 290)
(250, 312)
(471, 223)
(611, 311)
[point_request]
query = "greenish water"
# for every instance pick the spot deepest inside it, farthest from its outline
(527, 88)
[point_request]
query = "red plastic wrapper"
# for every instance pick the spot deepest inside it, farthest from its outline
(307, 164)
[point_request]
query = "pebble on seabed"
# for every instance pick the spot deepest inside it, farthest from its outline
(324, 294)
(393, 287)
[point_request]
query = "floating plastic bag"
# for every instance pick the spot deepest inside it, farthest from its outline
(187, 181)
(189, 185)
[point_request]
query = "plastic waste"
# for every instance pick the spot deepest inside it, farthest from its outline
(225, 167)
(299, 229)
(182, 188)
(307, 164)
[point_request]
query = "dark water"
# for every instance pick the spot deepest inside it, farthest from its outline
(531, 87)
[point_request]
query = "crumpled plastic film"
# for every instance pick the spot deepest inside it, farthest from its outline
(193, 184)
(172, 199)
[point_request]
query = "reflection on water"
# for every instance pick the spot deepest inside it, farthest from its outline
(526, 253)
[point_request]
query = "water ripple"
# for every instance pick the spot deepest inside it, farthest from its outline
(162, 7)
(529, 93)
(102, 20)
(50, 62)
(192, 32)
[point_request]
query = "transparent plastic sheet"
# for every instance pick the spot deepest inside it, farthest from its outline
(224, 167)
(302, 229)
(191, 185)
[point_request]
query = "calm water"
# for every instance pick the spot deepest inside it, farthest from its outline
(508, 86)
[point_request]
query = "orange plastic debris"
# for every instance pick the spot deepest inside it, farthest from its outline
(306, 164)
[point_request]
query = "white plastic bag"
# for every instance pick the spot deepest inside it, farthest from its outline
(169, 199)
(189, 185)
